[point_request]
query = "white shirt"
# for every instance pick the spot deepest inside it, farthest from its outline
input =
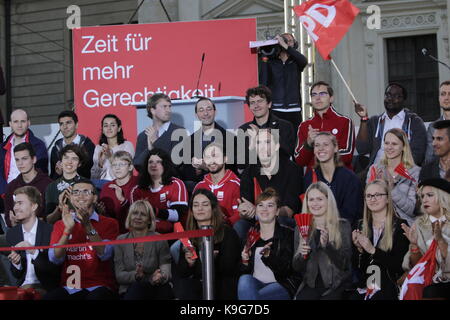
(13, 171)
(30, 237)
(77, 140)
(163, 128)
(441, 219)
(395, 122)
(260, 271)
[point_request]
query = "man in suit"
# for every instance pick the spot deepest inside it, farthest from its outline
(32, 268)
(159, 134)
(439, 167)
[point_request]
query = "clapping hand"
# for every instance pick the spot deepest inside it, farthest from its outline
(355, 237)
(410, 233)
(246, 209)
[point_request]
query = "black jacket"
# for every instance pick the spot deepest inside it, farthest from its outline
(47, 272)
(201, 141)
(284, 79)
(286, 134)
(390, 262)
(430, 170)
(85, 169)
(279, 259)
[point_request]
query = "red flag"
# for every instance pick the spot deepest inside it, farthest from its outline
(373, 174)
(185, 241)
(420, 276)
(256, 189)
(326, 21)
(253, 236)
(401, 170)
(303, 221)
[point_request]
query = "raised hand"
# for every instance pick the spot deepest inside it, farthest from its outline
(252, 132)
(246, 209)
(365, 243)
(312, 133)
(67, 218)
(323, 237)
(355, 240)
(151, 133)
(118, 191)
(410, 233)
(360, 109)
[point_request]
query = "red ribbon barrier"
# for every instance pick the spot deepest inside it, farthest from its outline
(159, 237)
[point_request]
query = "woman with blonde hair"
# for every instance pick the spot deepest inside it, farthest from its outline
(204, 210)
(344, 183)
(434, 224)
(380, 242)
(398, 169)
(326, 270)
(143, 269)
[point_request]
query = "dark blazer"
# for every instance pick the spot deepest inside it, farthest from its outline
(164, 142)
(430, 170)
(47, 272)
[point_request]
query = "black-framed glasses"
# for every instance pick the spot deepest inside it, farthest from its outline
(376, 196)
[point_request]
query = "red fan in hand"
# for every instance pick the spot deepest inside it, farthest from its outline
(253, 236)
(373, 174)
(401, 170)
(185, 241)
(304, 221)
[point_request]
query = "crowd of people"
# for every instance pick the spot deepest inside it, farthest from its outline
(384, 207)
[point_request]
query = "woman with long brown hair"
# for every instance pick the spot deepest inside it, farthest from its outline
(204, 210)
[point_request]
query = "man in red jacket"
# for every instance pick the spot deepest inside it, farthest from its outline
(325, 119)
(87, 272)
(221, 181)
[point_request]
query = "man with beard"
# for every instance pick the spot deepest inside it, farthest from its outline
(209, 132)
(444, 102)
(159, 134)
(20, 123)
(371, 131)
(222, 182)
(68, 125)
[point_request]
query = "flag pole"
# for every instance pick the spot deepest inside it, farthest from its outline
(345, 82)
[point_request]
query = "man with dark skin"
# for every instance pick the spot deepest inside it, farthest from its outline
(371, 131)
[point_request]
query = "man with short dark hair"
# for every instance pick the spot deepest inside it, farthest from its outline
(371, 131)
(68, 125)
(29, 176)
(441, 147)
(32, 268)
(325, 118)
(92, 264)
(159, 134)
(444, 102)
(259, 100)
(57, 192)
(209, 132)
(20, 124)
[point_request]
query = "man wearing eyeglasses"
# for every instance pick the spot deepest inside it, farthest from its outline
(87, 272)
(325, 118)
(444, 102)
(371, 131)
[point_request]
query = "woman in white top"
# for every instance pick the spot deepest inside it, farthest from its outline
(111, 141)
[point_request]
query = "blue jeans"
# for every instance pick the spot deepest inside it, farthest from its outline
(175, 251)
(250, 288)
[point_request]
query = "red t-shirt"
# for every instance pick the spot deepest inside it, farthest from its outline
(114, 208)
(227, 192)
(164, 197)
(94, 272)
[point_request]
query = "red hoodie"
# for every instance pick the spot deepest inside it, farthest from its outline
(227, 192)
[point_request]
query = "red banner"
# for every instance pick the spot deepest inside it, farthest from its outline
(116, 67)
(326, 21)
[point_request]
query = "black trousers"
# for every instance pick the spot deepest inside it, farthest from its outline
(295, 118)
(146, 291)
(308, 293)
(101, 293)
